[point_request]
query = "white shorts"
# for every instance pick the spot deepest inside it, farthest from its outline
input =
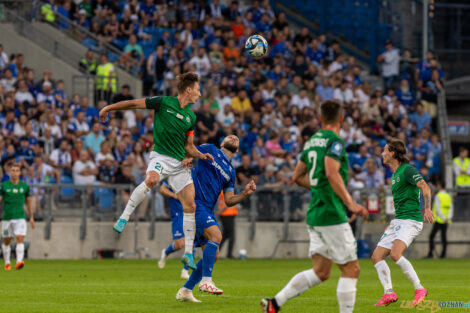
(404, 230)
(335, 242)
(14, 227)
(167, 167)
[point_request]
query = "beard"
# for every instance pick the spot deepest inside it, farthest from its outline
(230, 147)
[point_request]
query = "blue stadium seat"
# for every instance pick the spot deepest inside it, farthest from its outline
(66, 193)
(105, 199)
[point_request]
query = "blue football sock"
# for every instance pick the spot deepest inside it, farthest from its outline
(208, 258)
(170, 249)
(196, 276)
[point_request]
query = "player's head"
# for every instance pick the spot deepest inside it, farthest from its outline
(188, 86)
(395, 149)
(331, 112)
(230, 143)
(14, 171)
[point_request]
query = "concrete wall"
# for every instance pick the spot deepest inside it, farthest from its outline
(66, 244)
(123, 76)
(36, 57)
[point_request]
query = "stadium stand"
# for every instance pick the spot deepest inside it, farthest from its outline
(271, 104)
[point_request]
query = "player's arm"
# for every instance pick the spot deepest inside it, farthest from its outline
(29, 205)
(426, 192)
(232, 199)
(193, 152)
(337, 184)
(167, 193)
(122, 105)
(300, 176)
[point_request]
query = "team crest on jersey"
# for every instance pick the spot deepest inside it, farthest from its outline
(8, 190)
(398, 179)
(336, 148)
(179, 116)
(21, 190)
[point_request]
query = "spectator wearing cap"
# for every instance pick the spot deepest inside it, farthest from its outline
(390, 61)
(61, 159)
(94, 139)
(46, 95)
(82, 19)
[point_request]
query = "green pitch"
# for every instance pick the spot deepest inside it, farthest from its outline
(139, 286)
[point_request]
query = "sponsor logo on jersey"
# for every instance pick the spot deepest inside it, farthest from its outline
(177, 233)
(179, 116)
(222, 172)
(210, 220)
(21, 190)
(15, 190)
(8, 190)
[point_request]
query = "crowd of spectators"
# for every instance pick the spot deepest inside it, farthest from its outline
(271, 104)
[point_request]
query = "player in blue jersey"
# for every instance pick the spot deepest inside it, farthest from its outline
(176, 228)
(210, 178)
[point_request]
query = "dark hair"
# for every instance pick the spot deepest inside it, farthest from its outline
(330, 111)
(398, 147)
(186, 80)
(14, 164)
(462, 149)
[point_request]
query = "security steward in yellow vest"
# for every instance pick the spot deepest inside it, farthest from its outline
(462, 168)
(227, 217)
(87, 63)
(443, 210)
(47, 12)
(105, 79)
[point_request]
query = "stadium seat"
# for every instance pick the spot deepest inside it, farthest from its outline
(105, 199)
(66, 194)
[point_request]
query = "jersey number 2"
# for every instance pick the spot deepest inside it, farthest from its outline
(312, 157)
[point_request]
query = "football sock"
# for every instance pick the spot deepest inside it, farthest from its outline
(170, 249)
(195, 277)
(137, 196)
(208, 259)
(346, 294)
(297, 285)
(409, 271)
(6, 253)
(189, 223)
(184, 265)
(19, 252)
(384, 275)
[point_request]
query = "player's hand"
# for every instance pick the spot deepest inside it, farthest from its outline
(33, 224)
(207, 157)
(428, 216)
(359, 210)
(249, 188)
(104, 115)
(187, 162)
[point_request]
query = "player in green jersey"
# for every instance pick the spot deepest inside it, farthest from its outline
(408, 223)
(323, 169)
(14, 194)
(173, 139)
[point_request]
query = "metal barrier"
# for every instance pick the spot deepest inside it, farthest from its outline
(286, 204)
(87, 85)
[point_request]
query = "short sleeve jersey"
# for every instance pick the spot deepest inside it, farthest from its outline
(171, 125)
(406, 193)
(326, 208)
(14, 197)
(211, 177)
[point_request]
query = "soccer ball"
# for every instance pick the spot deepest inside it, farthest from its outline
(242, 254)
(256, 46)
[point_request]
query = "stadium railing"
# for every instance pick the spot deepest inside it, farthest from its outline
(86, 84)
(284, 204)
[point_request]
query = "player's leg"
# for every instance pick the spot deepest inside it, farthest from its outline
(19, 251)
(6, 250)
(300, 283)
(186, 197)
(306, 279)
(443, 228)
(346, 289)
(138, 195)
(174, 246)
(435, 229)
(396, 254)
(209, 256)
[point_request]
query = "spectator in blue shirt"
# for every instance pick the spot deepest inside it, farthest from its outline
(264, 26)
(433, 158)
(82, 19)
(63, 11)
(420, 118)
(25, 152)
(91, 114)
(147, 8)
(324, 90)
(426, 74)
(60, 95)
(357, 160)
(256, 11)
(405, 95)
(94, 139)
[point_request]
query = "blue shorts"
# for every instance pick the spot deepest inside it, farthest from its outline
(205, 218)
(176, 220)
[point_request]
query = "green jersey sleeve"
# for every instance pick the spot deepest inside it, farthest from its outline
(153, 103)
(412, 175)
(335, 149)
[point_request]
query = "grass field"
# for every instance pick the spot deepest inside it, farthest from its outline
(139, 286)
